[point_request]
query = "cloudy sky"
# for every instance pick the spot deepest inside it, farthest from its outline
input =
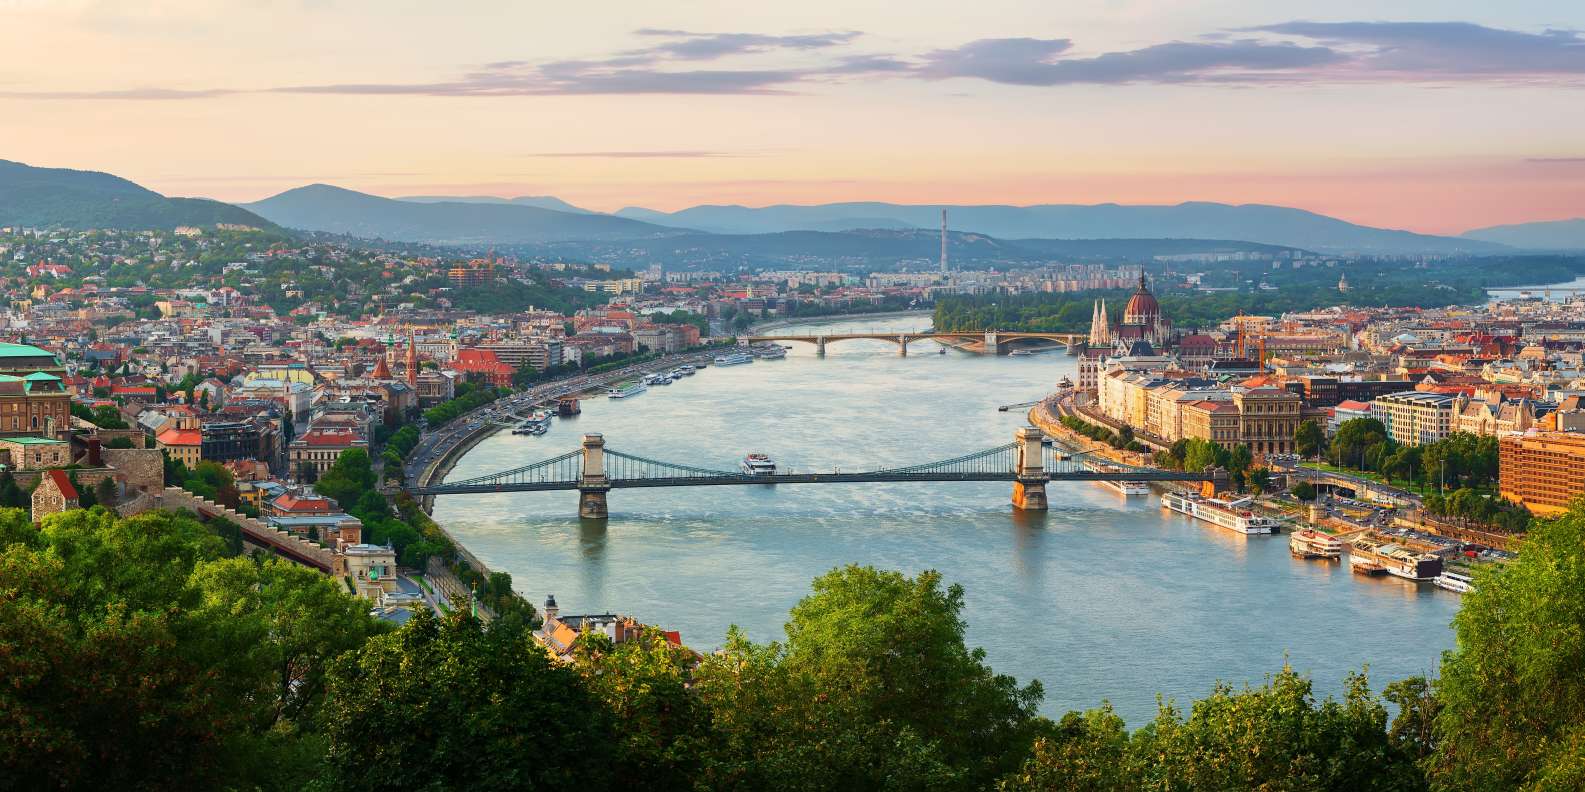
(1447, 115)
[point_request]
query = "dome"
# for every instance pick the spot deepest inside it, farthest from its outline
(1142, 307)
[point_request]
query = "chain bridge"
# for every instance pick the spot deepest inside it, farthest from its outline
(594, 470)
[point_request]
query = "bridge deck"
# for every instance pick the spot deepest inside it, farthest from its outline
(808, 478)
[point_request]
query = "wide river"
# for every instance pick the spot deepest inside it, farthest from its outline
(1100, 598)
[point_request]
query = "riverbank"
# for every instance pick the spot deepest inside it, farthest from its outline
(758, 328)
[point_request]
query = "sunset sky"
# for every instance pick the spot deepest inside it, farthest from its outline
(1445, 116)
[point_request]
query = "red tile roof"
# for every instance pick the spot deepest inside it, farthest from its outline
(63, 482)
(181, 437)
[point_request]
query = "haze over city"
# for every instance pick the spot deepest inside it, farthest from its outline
(1438, 117)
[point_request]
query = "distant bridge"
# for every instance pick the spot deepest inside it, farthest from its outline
(993, 342)
(595, 470)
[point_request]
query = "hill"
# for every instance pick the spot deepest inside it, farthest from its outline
(1546, 235)
(63, 198)
(322, 207)
(541, 201)
(1273, 225)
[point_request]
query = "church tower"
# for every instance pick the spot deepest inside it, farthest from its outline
(412, 362)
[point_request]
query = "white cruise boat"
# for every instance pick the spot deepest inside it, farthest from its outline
(758, 465)
(1234, 515)
(1120, 487)
(1457, 582)
(626, 389)
(734, 359)
(1310, 543)
(657, 379)
(771, 352)
(684, 370)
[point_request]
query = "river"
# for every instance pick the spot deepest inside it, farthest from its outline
(1100, 598)
(1566, 290)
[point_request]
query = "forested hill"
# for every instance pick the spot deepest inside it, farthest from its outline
(62, 198)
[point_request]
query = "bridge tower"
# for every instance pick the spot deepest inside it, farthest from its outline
(1029, 490)
(593, 483)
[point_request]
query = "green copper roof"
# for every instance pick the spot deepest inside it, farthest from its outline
(21, 350)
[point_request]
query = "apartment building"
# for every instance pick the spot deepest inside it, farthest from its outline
(1415, 418)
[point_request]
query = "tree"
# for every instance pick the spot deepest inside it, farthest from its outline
(1308, 439)
(1088, 751)
(643, 683)
(873, 688)
(1512, 692)
(459, 706)
(1260, 479)
(1304, 491)
(1353, 437)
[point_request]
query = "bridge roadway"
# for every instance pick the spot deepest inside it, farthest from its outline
(992, 341)
(877, 477)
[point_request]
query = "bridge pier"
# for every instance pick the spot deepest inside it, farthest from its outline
(593, 483)
(992, 346)
(902, 346)
(1029, 489)
(820, 346)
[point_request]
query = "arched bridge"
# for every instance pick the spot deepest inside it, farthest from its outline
(595, 470)
(992, 342)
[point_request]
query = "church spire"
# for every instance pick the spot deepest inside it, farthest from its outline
(1100, 329)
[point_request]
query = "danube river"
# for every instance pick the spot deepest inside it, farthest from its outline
(1099, 598)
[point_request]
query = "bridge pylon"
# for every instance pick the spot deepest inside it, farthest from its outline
(992, 343)
(593, 484)
(1029, 489)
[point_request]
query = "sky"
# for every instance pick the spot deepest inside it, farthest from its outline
(1441, 117)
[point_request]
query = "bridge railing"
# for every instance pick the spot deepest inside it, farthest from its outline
(629, 467)
(1001, 459)
(566, 467)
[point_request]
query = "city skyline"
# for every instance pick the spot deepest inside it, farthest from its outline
(1446, 117)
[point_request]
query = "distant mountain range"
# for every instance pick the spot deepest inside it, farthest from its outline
(1272, 225)
(1546, 235)
(541, 201)
(321, 207)
(62, 198)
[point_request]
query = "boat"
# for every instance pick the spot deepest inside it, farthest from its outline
(1233, 515)
(1362, 566)
(1310, 543)
(657, 379)
(567, 406)
(537, 423)
(626, 389)
(1022, 353)
(734, 359)
(1120, 487)
(758, 465)
(1398, 560)
(684, 370)
(1457, 582)
(771, 352)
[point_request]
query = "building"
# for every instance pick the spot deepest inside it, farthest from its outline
(182, 443)
(20, 360)
(1267, 419)
(35, 453)
(54, 494)
(483, 364)
(318, 448)
(227, 441)
(35, 403)
(371, 568)
(1415, 418)
(1216, 421)
(1543, 471)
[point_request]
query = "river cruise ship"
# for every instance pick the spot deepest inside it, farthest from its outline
(1393, 558)
(537, 423)
(1310, 543)
(1457, 582)
(1119, 487)
(734, 359)
(1234, 515)
(657, 379)
(626, 389)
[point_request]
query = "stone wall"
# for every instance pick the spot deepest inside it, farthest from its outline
(176, 498)
(141, 468)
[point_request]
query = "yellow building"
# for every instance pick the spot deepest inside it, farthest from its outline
(1543, 471)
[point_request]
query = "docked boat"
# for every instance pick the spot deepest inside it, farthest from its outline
(1022, 353)
(1310, 543)
(1457, 582)
(770, 352)
(758, 465)
(657, 379)
(1360, 565)
(734, 359)
(626, 389)
(684, 370)
(537, 423)
(1234, 515)
(568, 406)
(1396, 559)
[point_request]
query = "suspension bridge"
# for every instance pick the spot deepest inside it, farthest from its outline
(990, 342)
(594, 470)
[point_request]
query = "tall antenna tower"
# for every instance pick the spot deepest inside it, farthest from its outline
(943, 241)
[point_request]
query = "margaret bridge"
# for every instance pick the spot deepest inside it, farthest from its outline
(594, 470)
(990, 342)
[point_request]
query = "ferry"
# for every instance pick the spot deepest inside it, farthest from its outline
(1310, 543)
(772, 352)
(734, 359)
(684, 370)
(626, 389)
(537, 423)
(1120, 487)
(1233, 515)
(1457, 582)
(758, 465)
(1023, 353)
(1396, 559)
(657, 379)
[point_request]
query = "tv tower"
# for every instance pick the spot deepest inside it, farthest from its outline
(943, 241)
